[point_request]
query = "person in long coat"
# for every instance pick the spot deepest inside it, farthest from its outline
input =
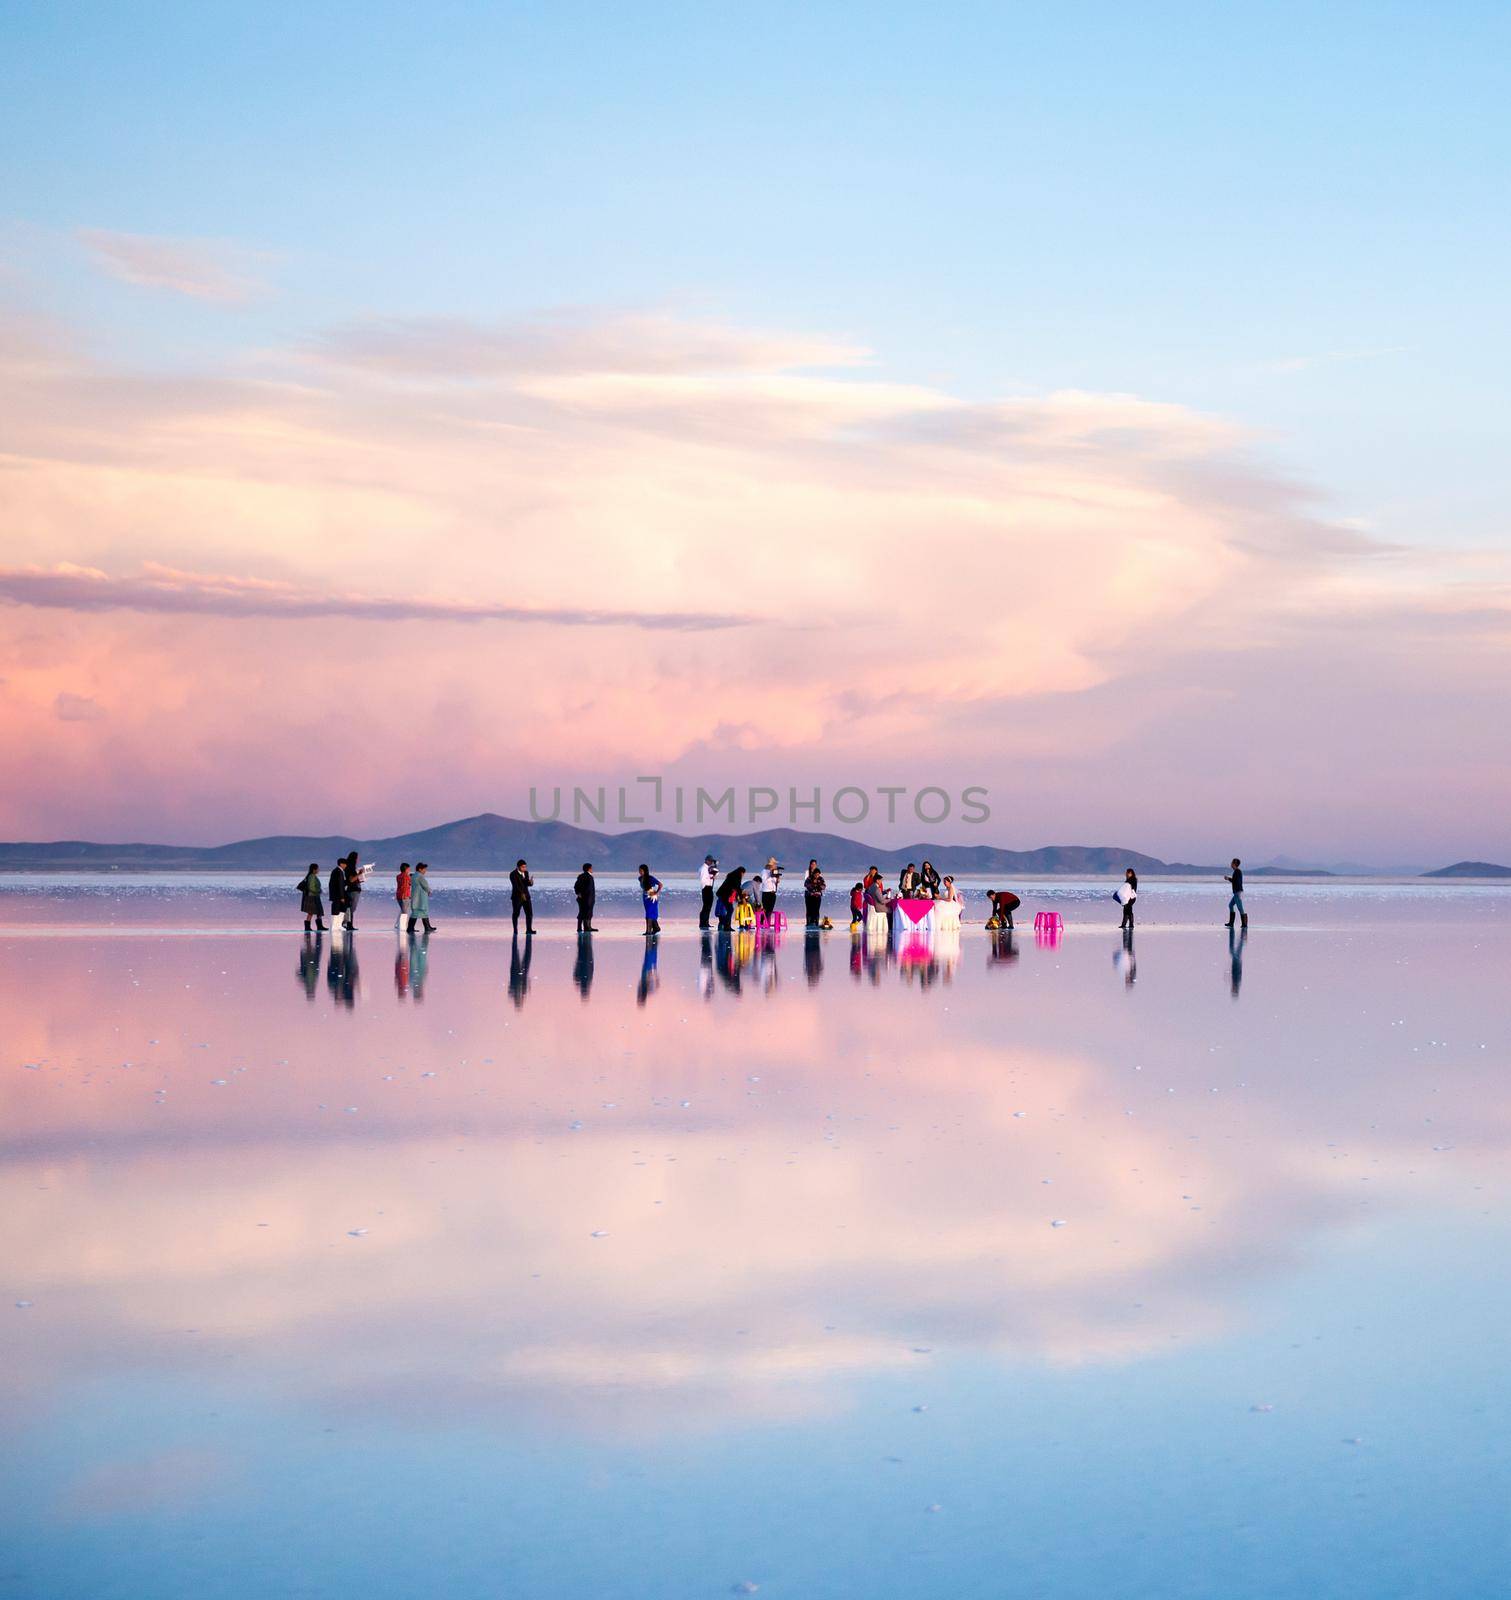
(419, 899)
(309, 897)
(338, 896)
(586, 891)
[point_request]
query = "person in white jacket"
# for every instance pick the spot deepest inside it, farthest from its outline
(708, 876)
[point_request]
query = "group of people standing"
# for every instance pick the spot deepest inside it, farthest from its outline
(730, 899)
(344, 888)
(734, 903)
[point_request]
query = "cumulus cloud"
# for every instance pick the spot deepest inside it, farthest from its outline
(725, 556)
(201, 269)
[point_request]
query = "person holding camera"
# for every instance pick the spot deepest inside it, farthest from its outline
(770, 887)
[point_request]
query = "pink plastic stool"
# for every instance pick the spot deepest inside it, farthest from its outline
(1048, 922)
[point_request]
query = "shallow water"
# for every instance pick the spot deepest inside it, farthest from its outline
(396, 1269)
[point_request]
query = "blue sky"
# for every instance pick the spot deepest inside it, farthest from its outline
(1289, 214)
(1182, 339)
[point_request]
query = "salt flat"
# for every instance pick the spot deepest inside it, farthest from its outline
(403, 1268)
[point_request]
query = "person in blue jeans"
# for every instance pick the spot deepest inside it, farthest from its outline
(1235, 900)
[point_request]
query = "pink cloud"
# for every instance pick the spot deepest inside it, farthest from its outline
(200, 269)
(803, 573)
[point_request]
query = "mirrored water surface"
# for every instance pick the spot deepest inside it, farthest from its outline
(817, 1266)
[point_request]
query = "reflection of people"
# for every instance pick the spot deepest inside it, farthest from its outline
(520, 881)
(341, 972)
(650, 979)
(706, 965)
(1001, 951)
(419, 966)
(401, 969)
(519, 973)
(586, 891)
(419, 898)
(582, 967)
(813, 957)
(707, 873)
(309, 965)
(1235, 900)
(1125, 958)
(1237, 938)
(309, 897)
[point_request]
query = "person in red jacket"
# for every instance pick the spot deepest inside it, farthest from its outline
(403, 892)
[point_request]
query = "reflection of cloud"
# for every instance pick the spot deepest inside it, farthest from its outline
(160, 589)
(764, 1247)
(168, 1481)
(201, 269)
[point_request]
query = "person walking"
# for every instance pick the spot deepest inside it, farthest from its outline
(309, 898)
(1235, 900)
(769, 888)
(338, 895)
(707, 874)
(419, 899)
(520, 881)
(586, 891)
(650, 899)
(813, 894)
(403, 888)
(1127, 893)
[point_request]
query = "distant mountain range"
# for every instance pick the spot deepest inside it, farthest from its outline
(490, 843)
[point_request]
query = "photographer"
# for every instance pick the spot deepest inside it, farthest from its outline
(770, 887)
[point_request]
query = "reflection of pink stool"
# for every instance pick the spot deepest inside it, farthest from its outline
(1048, 922)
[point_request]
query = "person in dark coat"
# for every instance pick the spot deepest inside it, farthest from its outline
(354, 876)
(586, 891)
(519, 897)
(813, 894)
(728, 894)
(309, 897)
(338, 896)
